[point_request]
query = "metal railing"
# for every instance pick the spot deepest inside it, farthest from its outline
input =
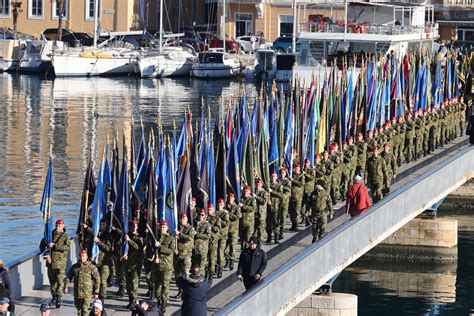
(314, 27)
(285, 287)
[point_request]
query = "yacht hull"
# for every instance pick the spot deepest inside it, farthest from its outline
(77, 66)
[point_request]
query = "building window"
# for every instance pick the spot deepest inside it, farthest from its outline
(35, 9)
(90, 5)
(55, 10)
(243, 24)
(4, 8)
(285, 25)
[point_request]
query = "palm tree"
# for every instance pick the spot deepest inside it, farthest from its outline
(60, 7)
(16, 5)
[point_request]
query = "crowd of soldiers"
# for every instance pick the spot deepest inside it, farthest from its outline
(209, 237)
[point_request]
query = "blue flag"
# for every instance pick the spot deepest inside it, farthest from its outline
(46, 207)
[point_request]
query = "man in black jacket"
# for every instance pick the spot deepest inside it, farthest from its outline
(6, 286)
(194, 288)
(252, 263)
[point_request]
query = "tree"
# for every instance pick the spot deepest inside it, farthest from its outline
(16, 9)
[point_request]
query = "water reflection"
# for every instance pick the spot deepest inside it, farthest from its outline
(66, 116)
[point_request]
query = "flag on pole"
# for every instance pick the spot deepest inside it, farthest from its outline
(46, 207)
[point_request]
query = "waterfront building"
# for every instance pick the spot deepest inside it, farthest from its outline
(456, 20)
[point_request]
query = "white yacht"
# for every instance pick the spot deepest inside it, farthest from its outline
(36, 55)
(9, 50)
(169, 62)
(265, 64)
(214, 64)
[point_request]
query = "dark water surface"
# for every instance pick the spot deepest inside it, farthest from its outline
(64, 116)
(407, 288)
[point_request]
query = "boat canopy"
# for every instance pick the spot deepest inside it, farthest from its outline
(211, 58)
(285, 61)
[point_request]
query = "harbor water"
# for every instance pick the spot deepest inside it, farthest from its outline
(66, 116)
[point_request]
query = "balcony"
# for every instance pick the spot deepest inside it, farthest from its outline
(458, 3)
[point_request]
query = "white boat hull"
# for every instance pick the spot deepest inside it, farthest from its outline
(160, 66)
(7, 65)
(215, 71)
(77, 66)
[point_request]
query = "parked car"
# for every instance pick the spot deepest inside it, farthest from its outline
(283, 44)
(245, 43)
(230, 45)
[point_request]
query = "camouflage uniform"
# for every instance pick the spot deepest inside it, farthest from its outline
(223, 235)
(284, 202)
(163, 270)
(410, 136)
(376, 177)
(214, 221)
(248, 219)
(401, 139)
(346, 172)
(233, 235)
(391, 165)
(321, 204)
(297, 190)
(119, 264)
(185, 249)
(261, 197)
(57, 269)
(86, 283)
(309, 176)
(336, 177)
(133, 265)
(361, 157)
(273, 209)
(201, 243)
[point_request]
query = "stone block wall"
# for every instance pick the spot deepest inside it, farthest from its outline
(335, 304)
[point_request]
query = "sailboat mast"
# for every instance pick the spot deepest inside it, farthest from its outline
(96, 21)
(223, 24)
(161, 24)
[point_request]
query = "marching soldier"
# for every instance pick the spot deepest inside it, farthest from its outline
(201, 239)
(297, 190)
(133, 262)
(162, 269)
(248, 207)
(56, 254)
(336, 173)
(224, 218)
(233, 236)
(410, 136)
(86, 283)
(215, 223)
(276, 194)
(376, 175)
(391, 164)
(346, 170)
(261, 197)
(309, 176)
(328, 167)
(284, 202)
(401, 139)
(185, 238)
(361, 155)
(321, 204)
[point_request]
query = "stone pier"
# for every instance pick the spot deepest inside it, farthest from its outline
(421, 240)
(334, 304)
(462, 198)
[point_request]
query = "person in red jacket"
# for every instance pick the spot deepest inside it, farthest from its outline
(357, 198)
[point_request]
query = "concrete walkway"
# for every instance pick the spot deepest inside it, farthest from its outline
(228, 287)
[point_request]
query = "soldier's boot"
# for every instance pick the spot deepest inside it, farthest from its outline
(58, 301)
(121, 291)
(314, 239)
(219, 272)
(269, 239)
(231, 265)
(178, 295)
(163, 306)
(209, 276)
(53, 300)
(280, 237)
(158, 304)
(226, 264)
(276, 239)
(151, 295)
(307, 221)
(425, 153)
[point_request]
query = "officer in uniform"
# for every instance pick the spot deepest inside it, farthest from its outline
(215, 223)
(201, 239)
(261, 197)
(133, 262)
(376, 175)
(233, 236)
(284, 202)
(56, 254)
(309, 176)
(86, 283)
(276, 194)
(297, 190)
(410, 136)
(185, 238)
(335, 191)
(162, 269)
(248, 206)
(321, 204)
(346, 170)
(391, 164)
(224, 219)
(361, 155)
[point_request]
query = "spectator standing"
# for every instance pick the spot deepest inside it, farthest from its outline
(6, 286)
(4, 304)
(194, 288)
(357, 198)
(252, 263)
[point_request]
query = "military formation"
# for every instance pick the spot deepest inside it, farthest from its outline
(222, 211)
